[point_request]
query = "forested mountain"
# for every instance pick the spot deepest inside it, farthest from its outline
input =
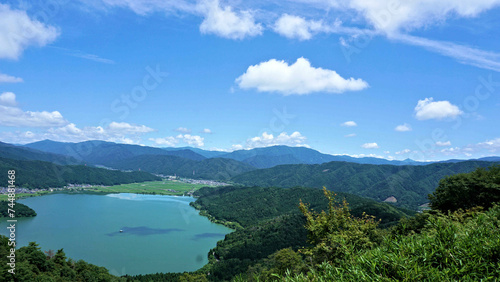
(38, 174)
(410, 185)
(22, 153)
(105, 153)
(277, 155)
(205, 153)
(251, 205)
(214, 169)
(21, 210)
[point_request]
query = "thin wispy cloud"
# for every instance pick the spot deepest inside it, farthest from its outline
(463, 54)
(84, 55)
(93, 57)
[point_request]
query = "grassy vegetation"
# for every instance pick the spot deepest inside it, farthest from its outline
(4, 197)
(165, 187)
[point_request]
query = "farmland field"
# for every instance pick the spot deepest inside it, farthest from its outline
(152, 187)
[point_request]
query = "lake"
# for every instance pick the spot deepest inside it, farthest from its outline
(160, 233)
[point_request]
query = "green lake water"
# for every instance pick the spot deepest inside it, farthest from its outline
(160, 233)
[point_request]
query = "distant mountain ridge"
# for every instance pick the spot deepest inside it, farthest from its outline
(21, 153)
(105, 153)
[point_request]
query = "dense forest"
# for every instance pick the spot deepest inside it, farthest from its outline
(32, 264)
(39, 174)
(214, 169)
(21, 210)
(410, 185)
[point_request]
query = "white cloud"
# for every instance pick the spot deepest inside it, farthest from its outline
(405, 151)
(11, 115)
(428, 109)
(492, 145)
(171, 141)
(18, 32)
(443, 144)
(194, 140)
(127, 128)
(224, 22)
(93, 57)
(370, 146)
(265, 140)
(236, 147)
(463, 54)
(183, 130)
(350, 135)
(145, 7)
(296, 27)
(391, 16)
(299, 78)
(206, 131)
(8, 99)
(120, 132)
(167, 141)
(403, 127)
(349, 123)
(5, 78)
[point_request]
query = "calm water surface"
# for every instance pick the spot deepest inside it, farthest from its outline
(160, 233)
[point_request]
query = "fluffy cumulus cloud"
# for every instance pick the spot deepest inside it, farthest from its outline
(349, 124)
(171, 141)
(266, 139)
(430, 109)
(491, 145)
(11, 115)
(18, 31)
(296, 27)
(402, 152)
(225, 22)
(8, 99)
(298, 78)
(370, 146)
(5, 78)
(193, 140)
(183, 130)
(206, 131)
(403, 127)
(443, 144)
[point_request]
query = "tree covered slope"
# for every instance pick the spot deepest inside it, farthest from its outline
(38, 174)
(410, 185)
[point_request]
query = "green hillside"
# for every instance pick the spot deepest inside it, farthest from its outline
(267, 220)
(410, 185)
(214, 169)
(38, 174)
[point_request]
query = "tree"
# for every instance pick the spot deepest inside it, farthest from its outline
(467, 190)
(337, 234)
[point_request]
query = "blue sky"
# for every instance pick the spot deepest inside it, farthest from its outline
(393, 79)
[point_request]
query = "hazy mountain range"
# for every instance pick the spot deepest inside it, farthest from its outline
(106, 153)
